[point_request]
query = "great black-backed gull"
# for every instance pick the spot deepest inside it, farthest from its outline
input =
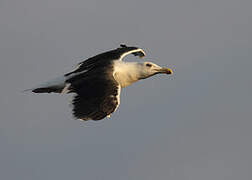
(97, 82)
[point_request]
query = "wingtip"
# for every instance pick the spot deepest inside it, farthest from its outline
(123, 45)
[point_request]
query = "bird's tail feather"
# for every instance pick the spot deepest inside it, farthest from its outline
(47, 90)
(56, 86)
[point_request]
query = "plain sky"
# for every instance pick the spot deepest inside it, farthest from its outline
(194, 126)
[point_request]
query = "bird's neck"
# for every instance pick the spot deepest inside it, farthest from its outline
(126, 73)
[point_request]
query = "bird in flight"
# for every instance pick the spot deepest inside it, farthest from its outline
(97, 82)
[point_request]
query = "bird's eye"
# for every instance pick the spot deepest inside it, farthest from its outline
(148, 65)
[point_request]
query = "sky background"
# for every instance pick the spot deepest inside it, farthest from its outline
(192, 127)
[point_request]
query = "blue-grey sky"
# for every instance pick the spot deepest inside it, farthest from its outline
(197, 126)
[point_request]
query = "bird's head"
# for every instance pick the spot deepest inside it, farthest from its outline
(149, 69)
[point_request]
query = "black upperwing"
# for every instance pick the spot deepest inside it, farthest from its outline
(106, 58)
(97, 94)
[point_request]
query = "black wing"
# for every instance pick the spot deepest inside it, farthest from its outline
(106, 58)
(97, 94)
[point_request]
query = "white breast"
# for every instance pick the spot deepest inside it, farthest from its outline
(125, 73)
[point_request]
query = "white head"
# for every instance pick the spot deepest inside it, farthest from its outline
(127, 73)
(148, 69)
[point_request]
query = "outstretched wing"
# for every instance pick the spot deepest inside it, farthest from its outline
(97, 94)
(105, 58)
